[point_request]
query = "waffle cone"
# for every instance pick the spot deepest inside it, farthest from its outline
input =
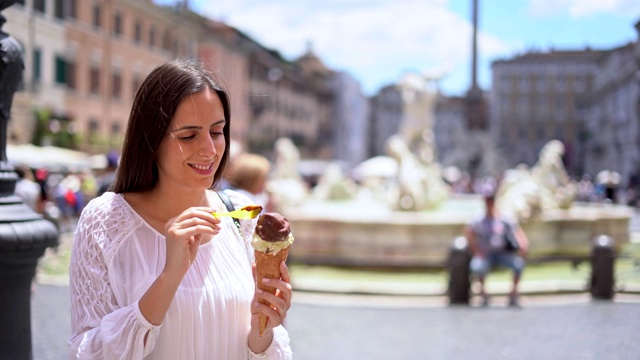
(268, 266)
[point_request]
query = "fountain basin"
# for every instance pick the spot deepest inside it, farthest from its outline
(365, 233)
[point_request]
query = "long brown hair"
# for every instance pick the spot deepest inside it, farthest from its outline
(153, 108)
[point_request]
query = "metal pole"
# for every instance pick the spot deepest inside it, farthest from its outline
(24, 234)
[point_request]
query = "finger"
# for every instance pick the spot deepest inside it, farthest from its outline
(273, 299)
(284, 291)
(275, 316)
(185, 235)
(284, 273)
(254, 271)
(194, 220)
(203, 213)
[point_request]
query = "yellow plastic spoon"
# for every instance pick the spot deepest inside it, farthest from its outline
(245, 212)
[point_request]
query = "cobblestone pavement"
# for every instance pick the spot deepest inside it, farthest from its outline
(324, 326)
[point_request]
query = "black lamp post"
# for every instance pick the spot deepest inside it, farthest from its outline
(24, 234)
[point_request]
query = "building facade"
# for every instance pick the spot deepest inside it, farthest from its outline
(611, 115)
(85, 60)
(534, 99)
(39, 28)
(406, 108)
(386, 117)
(350, 120)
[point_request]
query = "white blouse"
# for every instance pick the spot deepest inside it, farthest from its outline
(117, 255)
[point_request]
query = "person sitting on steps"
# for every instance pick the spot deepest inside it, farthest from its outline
(490, 246)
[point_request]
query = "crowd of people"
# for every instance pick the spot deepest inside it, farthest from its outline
(61, 195)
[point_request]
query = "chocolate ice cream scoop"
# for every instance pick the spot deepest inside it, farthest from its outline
(273, 227)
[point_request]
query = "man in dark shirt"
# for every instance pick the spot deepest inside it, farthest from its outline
(496, 242)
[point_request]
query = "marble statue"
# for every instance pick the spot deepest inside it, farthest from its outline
(419, 186)
(526, 193)
(334, 185)
(285, 184)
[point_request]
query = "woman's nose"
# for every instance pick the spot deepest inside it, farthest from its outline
(207, 147)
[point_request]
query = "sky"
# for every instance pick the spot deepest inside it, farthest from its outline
(378, 41)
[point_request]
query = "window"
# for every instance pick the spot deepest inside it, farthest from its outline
(39, 5)
(116, 85)
(137, 31)
(166, 40)
(94, 80)
(58, 9)
(117, 23)
(94, 127)
(71, 75)
(96, 15)
(135, 84)
(65, 72)
(542, 83)
(152, 36)
(71, 8)
(37, 66)
(61, 71)
(115, 130)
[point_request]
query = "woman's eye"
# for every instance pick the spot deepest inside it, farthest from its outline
(216, 133)
(186, 137)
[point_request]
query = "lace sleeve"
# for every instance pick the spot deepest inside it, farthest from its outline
(101, 328)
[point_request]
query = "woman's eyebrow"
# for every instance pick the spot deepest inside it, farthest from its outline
(198, 127)
(187, 127)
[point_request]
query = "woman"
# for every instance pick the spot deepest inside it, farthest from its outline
(153, 273)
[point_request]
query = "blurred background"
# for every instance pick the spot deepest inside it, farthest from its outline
(383, 122)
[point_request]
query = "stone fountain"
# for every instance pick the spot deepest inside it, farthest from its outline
(411, 219)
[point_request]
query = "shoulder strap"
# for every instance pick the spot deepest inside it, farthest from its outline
(227, 202)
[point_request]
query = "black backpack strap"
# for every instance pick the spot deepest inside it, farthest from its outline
(227, 202)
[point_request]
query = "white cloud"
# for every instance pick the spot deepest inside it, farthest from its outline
(374, 40)
(583, 8)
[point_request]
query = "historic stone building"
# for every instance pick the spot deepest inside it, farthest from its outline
(38, 27)
(112, 47)
(350, 120)
(612, 114)
(406, 108)
(533, 100)
(85, 60)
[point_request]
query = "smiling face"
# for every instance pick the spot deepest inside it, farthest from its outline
(192, 148)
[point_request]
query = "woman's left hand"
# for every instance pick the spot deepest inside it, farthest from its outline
(280, 301)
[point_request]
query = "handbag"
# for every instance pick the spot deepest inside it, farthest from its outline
(511, 243)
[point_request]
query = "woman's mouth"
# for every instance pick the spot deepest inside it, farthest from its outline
(202, 169)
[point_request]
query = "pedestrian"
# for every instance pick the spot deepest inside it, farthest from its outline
(248, 175)
(154, 274)
(107, 176)
(26, 188)
(495, 241)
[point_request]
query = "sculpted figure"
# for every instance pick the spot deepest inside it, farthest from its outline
(525, 193)
(419, 186)
(286, 185)
(334, 185)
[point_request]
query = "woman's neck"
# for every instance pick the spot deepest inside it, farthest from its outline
(160, 204)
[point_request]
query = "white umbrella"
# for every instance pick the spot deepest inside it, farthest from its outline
(608, 177)
(378, 166)
(50, 157)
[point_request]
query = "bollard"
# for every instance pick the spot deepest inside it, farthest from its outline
(602, 268)
(459, 272)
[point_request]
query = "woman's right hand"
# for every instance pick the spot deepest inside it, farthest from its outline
(184, 233)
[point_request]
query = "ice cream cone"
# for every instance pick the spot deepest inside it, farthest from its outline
(268, 266)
